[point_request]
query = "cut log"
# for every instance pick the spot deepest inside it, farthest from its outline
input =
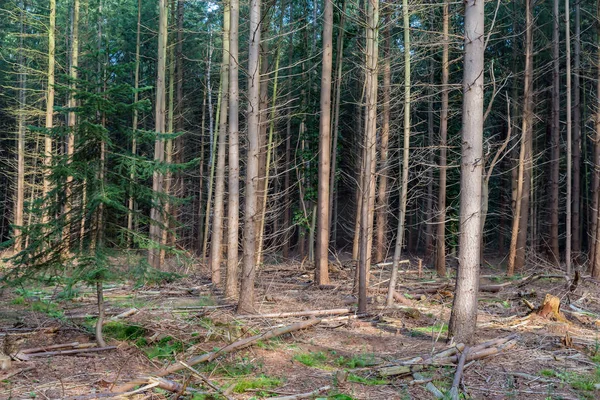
(336, 311)
(308, 395)
(207, 357)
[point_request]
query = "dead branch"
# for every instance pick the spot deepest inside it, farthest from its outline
(26, 357)
(15, 372)
(205, 379)
(308, 395)
(459, 373)
(336, 311)
(207, 357)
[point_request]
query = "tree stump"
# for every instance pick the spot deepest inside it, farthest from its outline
(550, 309)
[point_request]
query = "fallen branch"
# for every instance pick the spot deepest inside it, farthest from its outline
(15, 372)
(430, 386)
(336, 311)
(125, 314)
(459, 372)
(26, 357)
(51, 347)
(206, 380)
(207, 357)
(449, 356)
(303, 395)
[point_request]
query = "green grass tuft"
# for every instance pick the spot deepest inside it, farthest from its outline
(121, 331)
(366, 381)
(428, 330)
(311, 359)
(260, 382)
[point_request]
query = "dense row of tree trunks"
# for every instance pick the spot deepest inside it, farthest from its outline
(555, 137)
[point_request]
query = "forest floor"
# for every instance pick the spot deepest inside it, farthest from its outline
(180, 319)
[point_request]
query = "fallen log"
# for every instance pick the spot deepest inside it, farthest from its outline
(416, 364)
(336, 311)
(207, 357)
(125, 314)
(308, 395)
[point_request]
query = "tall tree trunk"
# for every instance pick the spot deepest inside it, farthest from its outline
(569, 137)
(49, 104)
(595, 256)
(526, 141)
(368, 188)
(322, 256)
(72, 119)
(440, 261)
(336, 124)
(382, 196)
(21, 128)
(167, 217)
(464, 308)
(212, 150)
(576, 227)
(233, 203)
(136, 98)
(216, 250)
(159, 144)
(555, 141)
(246, 302)
(429, 244)
(406, 152)
(519, 228)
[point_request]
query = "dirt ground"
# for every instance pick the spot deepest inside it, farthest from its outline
(552, 359)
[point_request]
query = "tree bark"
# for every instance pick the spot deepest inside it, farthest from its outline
(322, 253)
(216, 250)
(519, 228)
(21, 128)
(405, 156)
(49, 104)
(382, 197)
(555, 138)
(233, 203)
(576, 151)
(464, 308)
(368, 188)
(246, 301)
(136, 98)
(569, 139)
(440, 261)
(159, 145)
